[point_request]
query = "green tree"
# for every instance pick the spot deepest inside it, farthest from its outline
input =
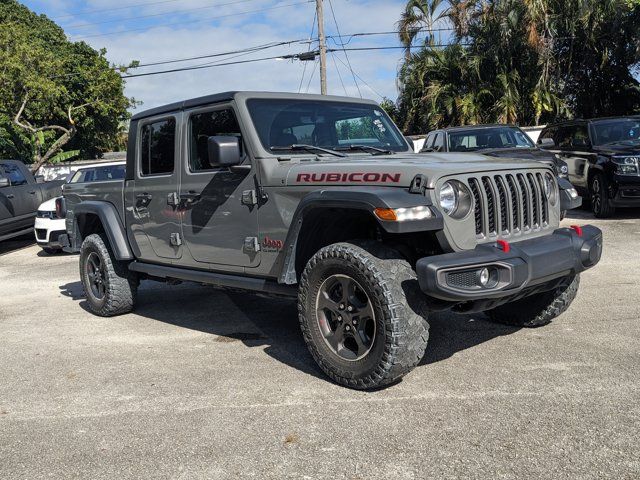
(55, 94)
(520, 61)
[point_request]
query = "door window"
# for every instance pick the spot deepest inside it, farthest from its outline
(157, 154)
(14, 174)
(205, 125)
(563, 137)
(580, 137)
(438, 144)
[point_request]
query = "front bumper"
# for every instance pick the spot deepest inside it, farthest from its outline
(454, 277)
(627, 191)
(48, 231)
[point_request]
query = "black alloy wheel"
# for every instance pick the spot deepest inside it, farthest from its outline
(346, 317)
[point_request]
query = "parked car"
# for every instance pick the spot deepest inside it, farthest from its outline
(20, 195)
(321, 199)
(506, 141)
(50, 223)
(603, 155)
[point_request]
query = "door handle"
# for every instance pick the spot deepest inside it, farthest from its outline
(190, 198)
(11, 195)
(33, 192)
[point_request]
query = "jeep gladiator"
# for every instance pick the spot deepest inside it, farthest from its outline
(320, 198)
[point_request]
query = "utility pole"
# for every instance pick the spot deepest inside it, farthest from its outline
(323, 47)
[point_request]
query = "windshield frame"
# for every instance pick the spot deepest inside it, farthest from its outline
(258, 131)
(594, 133)
(471, 130)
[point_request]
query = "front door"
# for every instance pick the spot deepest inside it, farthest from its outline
(155, 219)
(218, 226)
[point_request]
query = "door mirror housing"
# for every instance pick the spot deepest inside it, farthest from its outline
(546, 143)
(224, 151)
(4, 182)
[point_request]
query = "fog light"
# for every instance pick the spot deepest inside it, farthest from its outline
(483, 277)
(573, 193)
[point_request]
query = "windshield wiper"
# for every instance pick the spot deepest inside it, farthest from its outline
(366, 148)
(306, 148)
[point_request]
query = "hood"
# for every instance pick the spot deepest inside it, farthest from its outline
(394, 170)
(49, 205)
(534, 154)
(618, 149)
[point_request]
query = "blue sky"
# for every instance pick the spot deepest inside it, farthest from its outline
(158, 30)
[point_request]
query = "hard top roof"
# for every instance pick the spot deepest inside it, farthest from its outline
(228, 96)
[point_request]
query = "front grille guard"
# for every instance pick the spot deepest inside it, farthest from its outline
(509, 204)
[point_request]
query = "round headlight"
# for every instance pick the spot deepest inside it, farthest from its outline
(448, 198)
(455, 199)
(550, 189)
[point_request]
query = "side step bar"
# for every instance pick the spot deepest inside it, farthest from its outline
(218, 279)
(16, 234)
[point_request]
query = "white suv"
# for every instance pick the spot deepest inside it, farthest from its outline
(50, 222)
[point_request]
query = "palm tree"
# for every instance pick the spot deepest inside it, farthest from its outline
(419, 15)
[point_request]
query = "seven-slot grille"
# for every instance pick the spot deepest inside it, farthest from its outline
(509, 203)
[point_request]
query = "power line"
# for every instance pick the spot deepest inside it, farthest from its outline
(363, 81)
(333, 57)
(333, 13)
(120, 32)
(173, 12)
(124, 7)
(313, 27)
(200, 67)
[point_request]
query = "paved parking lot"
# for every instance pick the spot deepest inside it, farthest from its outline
(203, 384)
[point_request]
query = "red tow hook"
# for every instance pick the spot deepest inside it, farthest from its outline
(577, 229)
(504, 246)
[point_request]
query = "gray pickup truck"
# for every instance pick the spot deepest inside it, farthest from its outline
(320, 198)
(20, 195)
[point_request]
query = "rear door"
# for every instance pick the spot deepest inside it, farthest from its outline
(573, 142)
(217, 224)
(155, 220)
(25, 198)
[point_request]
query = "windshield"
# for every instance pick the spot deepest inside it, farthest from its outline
(98, 174)
(495, 137)
(621, 130)
(331, 125)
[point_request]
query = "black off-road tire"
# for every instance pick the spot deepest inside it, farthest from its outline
(402, 330)
(537, 310)
(601, 204)
(120, 284)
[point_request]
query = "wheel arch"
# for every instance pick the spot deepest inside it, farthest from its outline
(102, 217)
(348, 214)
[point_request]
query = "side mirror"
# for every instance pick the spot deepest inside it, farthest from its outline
(4, 182)
(39, 178)
(546, 143)
(223, 151)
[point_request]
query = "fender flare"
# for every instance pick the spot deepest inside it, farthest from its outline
(367, 199)
(111, 223)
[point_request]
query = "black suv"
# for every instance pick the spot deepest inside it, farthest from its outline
(603, 156)
(494, 140)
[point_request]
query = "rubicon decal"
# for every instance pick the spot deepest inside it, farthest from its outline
(358, 177)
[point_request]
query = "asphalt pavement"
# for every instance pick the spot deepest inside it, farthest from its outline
(199, 383)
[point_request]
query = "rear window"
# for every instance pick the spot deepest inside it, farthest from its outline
(99, 174)
(157, 155)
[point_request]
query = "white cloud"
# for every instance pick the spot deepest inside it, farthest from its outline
(196, 37)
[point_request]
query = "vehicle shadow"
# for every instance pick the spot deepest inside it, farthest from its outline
(17, 243)
(272, 323)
